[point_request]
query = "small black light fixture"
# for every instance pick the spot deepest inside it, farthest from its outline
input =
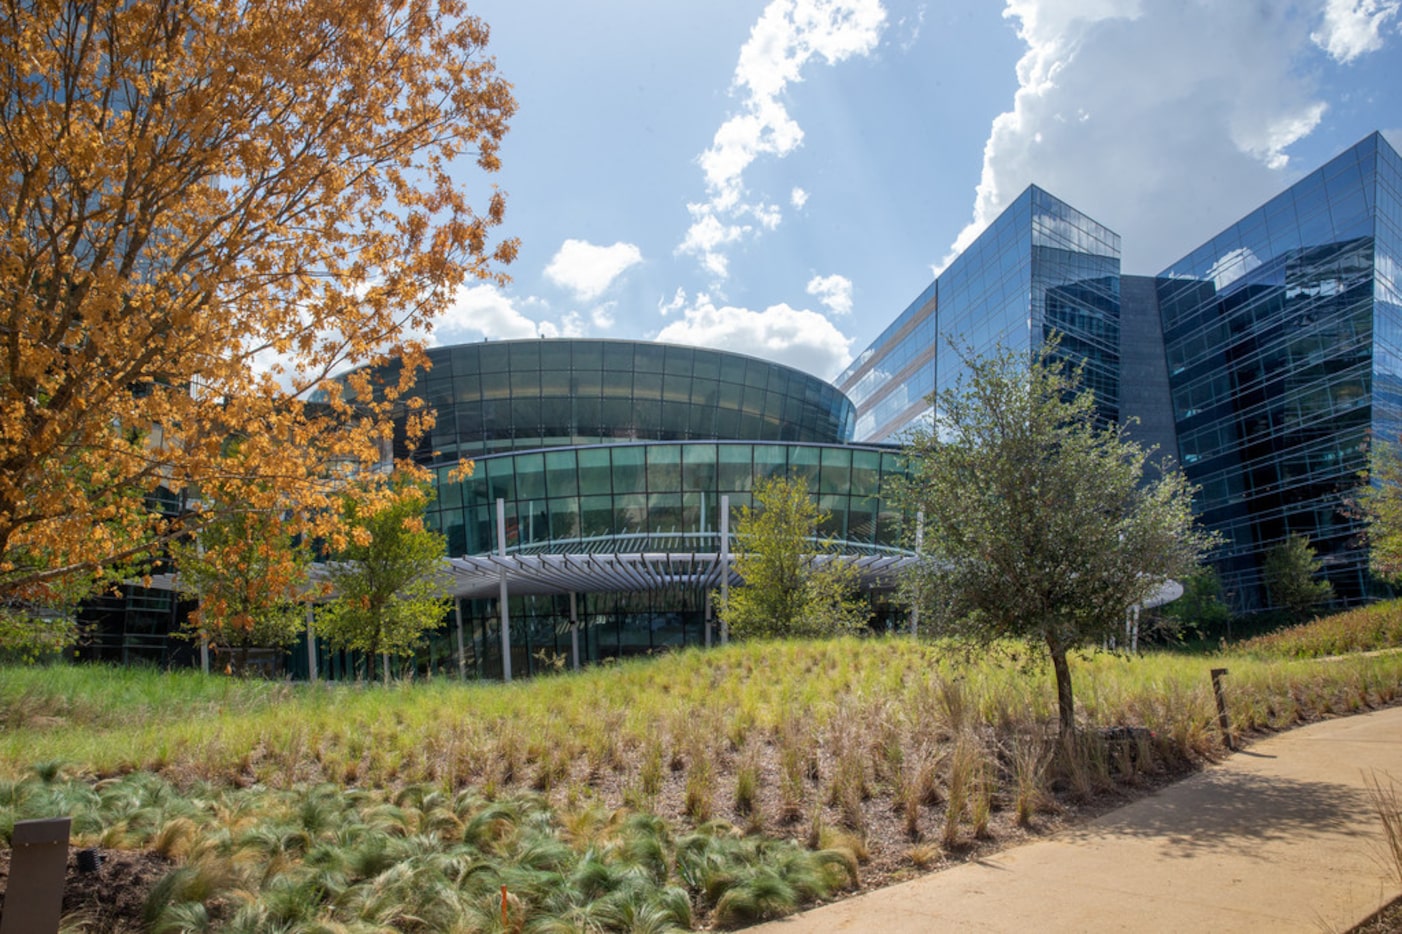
(89, 860)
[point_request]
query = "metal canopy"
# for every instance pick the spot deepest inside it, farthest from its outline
(480, 576)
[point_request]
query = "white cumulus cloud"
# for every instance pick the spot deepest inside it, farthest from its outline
(483, 311)
(602, 317)
(1353, 27)
(676, 303)
(833, 291)
(1163, 119)
(788, 35)
(798, 198)
(588, 270)
(572, 324)
(798, 337)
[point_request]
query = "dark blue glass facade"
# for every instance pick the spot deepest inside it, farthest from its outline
(1041, 267)
(1282, 343)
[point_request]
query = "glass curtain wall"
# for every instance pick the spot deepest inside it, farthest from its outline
(1277, 353)
(512, 395)
(1040, 268)
(658, 497)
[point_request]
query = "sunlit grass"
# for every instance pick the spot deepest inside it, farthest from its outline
(843, 743)
(1368, 628)
(549, 731)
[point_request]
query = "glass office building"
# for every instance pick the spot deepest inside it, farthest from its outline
(1282, 337)
(624, 448)
(1263, 362)
(1040, 267)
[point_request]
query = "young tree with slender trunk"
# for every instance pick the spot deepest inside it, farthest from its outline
(1039, 522)
(1380, 501)
(387, 580)
(209, 206)
(251, 578)
(786, 591)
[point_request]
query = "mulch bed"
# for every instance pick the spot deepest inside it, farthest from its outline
(108, 900)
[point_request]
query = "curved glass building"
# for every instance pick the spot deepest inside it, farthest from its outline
(600, 469)
(530, 394)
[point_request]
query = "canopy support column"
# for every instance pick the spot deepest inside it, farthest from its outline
(724, 569)
(502, 603)
(311, 643)
(462, 649)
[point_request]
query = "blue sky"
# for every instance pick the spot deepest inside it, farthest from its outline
(782, 177)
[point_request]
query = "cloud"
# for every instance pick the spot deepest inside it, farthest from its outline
(482, 310)
(1353, 27)
(676, 303)
(707, 235)
(788, 35)
(602, 317)
(588, 270)
(798, 337)
(833, 291)
(798, 198)
(1163, 119)
(572, 324)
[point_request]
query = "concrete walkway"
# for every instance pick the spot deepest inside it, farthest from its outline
(1280, 837)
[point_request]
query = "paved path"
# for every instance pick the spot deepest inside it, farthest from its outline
(1280, 837)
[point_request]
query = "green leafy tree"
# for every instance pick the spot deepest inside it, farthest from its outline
(251, 577)
(1290, 570)
(1201, 607)
(388, 592)
(1380, 500)
(788, 589)
(1040, 524)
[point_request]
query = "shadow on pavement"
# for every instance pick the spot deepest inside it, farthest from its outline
(1234, 810)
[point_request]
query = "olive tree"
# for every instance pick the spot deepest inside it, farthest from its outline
(1040, 523)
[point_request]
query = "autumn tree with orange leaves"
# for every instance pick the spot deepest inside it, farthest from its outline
(250, 576)
(210, 206)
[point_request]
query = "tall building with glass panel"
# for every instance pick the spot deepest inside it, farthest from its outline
(1282, 337)
(1040, 267)
(1264, 362)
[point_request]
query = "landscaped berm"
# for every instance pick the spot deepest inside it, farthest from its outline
(696, 789)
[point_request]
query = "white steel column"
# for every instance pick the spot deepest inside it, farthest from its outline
(724, 568)
(311, 643)
(462, 649)
(504, 610)
(574, 633)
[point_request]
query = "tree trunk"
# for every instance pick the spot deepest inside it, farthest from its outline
(1064, 701)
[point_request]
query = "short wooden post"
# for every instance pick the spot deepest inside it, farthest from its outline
(1222, 720)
